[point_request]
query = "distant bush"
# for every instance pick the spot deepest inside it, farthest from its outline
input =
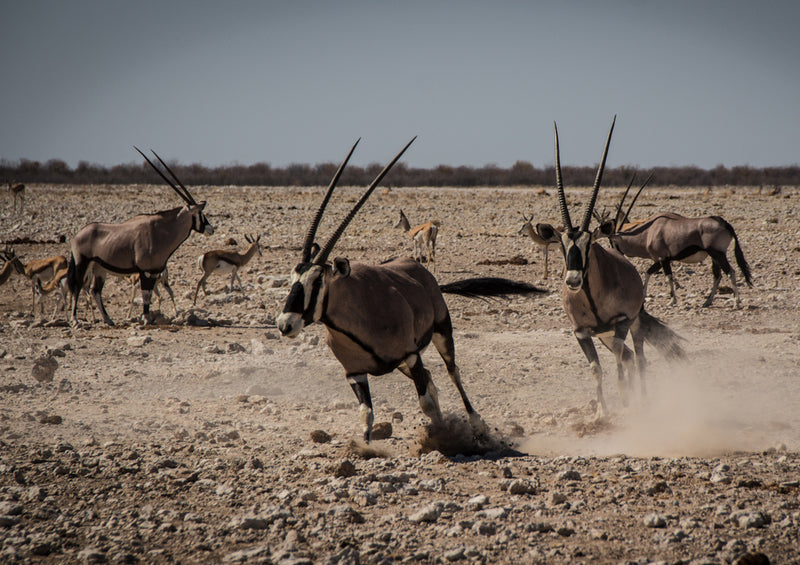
(521, 173)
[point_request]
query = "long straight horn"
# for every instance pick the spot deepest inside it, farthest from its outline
(625, 218)
(618, 215)
(163, 176)
(587, 215)
(189, 198)
(312, 230)
(323, 254)
(562, 199)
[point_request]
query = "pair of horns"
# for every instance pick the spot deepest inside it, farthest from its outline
(619, 219)
(308, 243)
(562, 200)
(183, 192)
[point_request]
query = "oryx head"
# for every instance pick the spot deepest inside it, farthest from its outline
(306, 301)
(608, 226)
(575, 242)
(200, 223)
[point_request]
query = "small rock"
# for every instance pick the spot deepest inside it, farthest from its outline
(521, 486)
(234, 347)
(569, 475)
(320, 436)
(429, 513)
(344, 469)
(43, 369)
(655, 521)
(381, 430)
(139, 340)
(477, 502)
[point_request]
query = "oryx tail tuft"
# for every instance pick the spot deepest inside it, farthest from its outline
(657, 334)
(489, 286)
(737, 251)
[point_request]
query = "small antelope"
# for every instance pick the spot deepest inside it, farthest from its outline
(603, 295)
(141, 245)
(8, 267)
(668, 237)
(37, 271)
(424, 238)
(219, 260)
(380, 317)
(528, 229)
(17, 189)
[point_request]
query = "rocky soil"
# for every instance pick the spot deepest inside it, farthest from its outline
(208, 438)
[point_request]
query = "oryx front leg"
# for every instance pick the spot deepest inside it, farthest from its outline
(360, 386)
(585, 341)
(624, 358)
(97, 290)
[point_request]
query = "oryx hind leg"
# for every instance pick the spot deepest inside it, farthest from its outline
(360, 385)
(587, 345)
(443, 342)
(427, 392)
(97, 295)
(147, 283)
(637, 335)
(667, 266)
(719, 264)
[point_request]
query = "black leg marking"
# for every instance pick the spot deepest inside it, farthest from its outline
(360, 386)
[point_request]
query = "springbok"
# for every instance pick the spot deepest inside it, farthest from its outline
(603, 296)
(528, 229)
(424, 238)
(38, 272)
(8, 267)
(17, 189)
(668, 237)
(219, 260)
(380, 317)
(141, 245)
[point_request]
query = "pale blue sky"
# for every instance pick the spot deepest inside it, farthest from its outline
(693, 82)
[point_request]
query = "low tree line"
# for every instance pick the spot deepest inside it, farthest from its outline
(522, 173)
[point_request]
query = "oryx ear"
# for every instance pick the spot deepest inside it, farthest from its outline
(314, 250)
(341, 267)
(548, 233)
(605, 229)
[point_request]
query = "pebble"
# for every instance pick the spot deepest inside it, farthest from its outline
(655, 521)
(44, 368)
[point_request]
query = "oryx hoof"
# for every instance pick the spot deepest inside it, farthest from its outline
(478, 425)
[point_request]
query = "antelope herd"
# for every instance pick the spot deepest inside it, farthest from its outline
(379, 318)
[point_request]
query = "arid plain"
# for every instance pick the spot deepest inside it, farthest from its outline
(190, 440)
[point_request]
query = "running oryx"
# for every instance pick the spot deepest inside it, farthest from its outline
(379, 317)
(141, 245)
(527, 229)
(668, 237)
(17, 189)
(603, 295)
(424, 238)
(219, 260)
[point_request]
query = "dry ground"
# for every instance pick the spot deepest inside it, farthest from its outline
(189, 441)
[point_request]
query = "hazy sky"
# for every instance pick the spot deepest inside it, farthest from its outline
(693, 82)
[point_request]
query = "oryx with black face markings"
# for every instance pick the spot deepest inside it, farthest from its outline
(380, 317)
(141, 245)
(603, 295)
(668, 237)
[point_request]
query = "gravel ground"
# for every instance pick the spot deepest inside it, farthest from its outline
(208, 438)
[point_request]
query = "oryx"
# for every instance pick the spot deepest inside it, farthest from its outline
(141, 245)
(668, 237)
(602, 294)
(379, 317)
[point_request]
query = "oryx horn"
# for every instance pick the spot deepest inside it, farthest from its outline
(189, 196)
(562, 199)
(325, 251)
(625, 217)
(618, 214)
(587, 215)
(186, 196)
(312, 230)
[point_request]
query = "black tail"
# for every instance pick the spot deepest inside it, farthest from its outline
(72, 276)
(657, 334)
(738, 253)
(489, 286)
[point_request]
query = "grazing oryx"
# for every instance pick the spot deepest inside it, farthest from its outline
(668, 237)
(18, 190)
(38, 271)
(219, 260)
(424, 238)
(603, 296)
(141, 245)
(380, 317)
(527, 229)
